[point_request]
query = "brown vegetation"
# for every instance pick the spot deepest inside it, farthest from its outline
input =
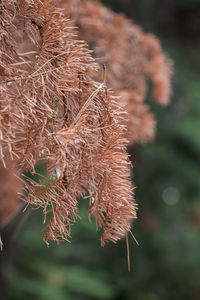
(131, 58)
(53, 111)
(55, 108)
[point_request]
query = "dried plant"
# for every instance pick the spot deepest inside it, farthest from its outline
(52, 110)
(131, 57)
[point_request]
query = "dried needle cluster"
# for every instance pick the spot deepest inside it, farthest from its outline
(131, 57)
(52, 110)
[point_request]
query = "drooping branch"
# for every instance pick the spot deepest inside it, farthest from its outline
(131, 58)
(52, 109)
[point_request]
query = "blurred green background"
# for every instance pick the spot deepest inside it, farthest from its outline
(166, 265)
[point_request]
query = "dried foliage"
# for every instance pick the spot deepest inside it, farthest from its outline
(131, 57)
(52, 110)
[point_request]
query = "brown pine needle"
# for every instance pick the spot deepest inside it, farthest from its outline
(134, 237)
(86, 104)
(128, 253)
(1, 244)
(22, 63)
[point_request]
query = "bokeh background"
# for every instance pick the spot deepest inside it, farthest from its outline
(166, 265)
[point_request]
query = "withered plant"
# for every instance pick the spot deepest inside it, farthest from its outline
(131, 58)
(52, 110)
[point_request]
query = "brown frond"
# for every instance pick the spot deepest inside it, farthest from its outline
(158, 68)
(131, 57)
(53, 110)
